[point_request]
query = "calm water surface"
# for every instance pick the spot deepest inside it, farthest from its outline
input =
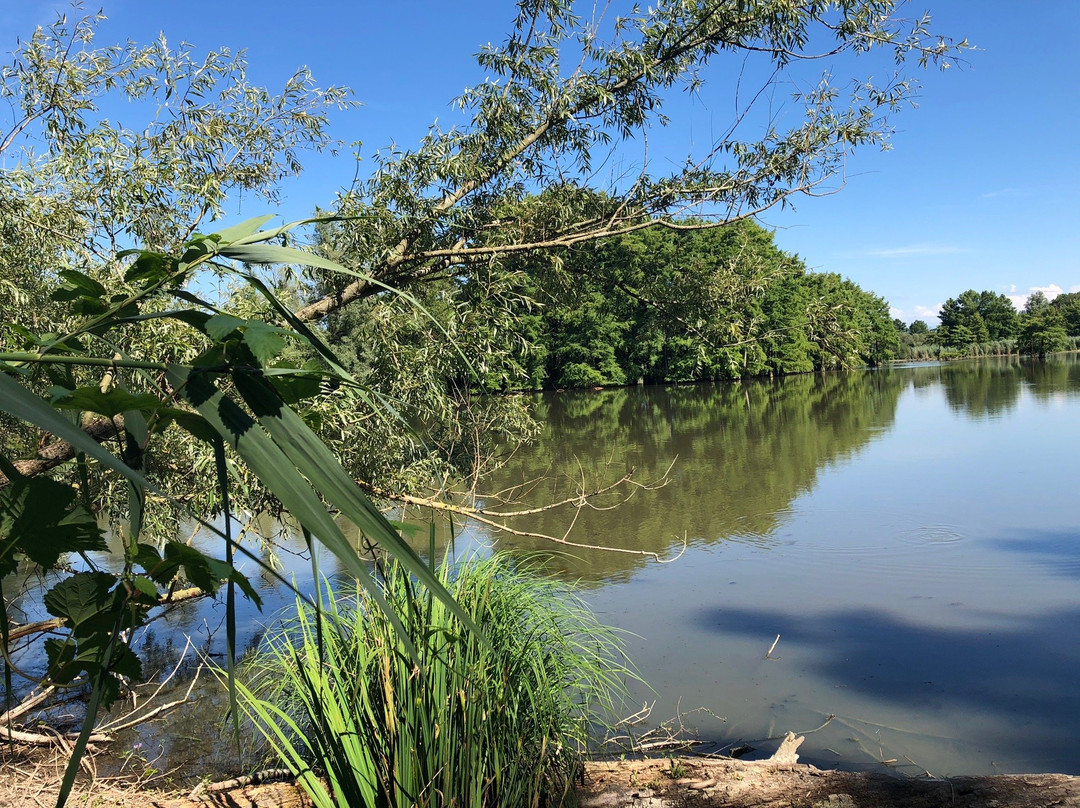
(912, 534)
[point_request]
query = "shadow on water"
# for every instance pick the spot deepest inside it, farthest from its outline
(928, 669)
(1057, 552)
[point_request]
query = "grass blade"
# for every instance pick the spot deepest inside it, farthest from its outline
(316, 462)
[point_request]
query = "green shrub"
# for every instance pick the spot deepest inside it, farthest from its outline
(432, 714)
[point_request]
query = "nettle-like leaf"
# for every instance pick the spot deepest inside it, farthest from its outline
(150, 267)
(296, 384)
(203, 571)
(41, 519)
(265, 341)
(97, 609)
(221, 326)
(86, 601)
(110, 404)
(76, 285)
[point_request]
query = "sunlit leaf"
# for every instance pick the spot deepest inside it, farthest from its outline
(221, 325)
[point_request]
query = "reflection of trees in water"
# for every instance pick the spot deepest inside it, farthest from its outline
(1054, 377)
(983, 389)
(742, 452)
(986, 388)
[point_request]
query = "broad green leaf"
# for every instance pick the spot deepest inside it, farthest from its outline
(39, 517)
(203, 571)
(145, 585)
(76, 285)
(295, 384)
(265, 341)
(149, 266)
(110, 404)
(221, 325)
(85, 600)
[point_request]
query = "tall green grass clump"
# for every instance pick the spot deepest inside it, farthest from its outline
(429, 712)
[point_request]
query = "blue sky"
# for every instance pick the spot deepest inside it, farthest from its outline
(981, 189)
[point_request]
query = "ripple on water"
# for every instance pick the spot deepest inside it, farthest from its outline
(931, 535)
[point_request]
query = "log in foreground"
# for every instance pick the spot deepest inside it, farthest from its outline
(779, 782)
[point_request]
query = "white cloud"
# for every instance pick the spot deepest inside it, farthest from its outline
(1075, 288)
(915, 250)
(927, 312)
(897, 314)
(1050, 290)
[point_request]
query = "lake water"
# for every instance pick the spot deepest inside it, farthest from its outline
(911, 534)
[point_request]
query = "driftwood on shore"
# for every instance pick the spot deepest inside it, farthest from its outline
(685, 782)
(778, 782)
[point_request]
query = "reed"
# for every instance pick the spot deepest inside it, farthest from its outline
(435, 714)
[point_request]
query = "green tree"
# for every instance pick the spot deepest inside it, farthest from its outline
(187, 389)
(919, 327)
(1069, 306)
(1036, 302)
(1043, 332)
(976, 317)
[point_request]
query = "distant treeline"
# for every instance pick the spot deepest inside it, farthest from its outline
(679, 305)
(988, 324)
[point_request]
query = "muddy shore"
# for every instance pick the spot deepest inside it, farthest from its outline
(679, 782)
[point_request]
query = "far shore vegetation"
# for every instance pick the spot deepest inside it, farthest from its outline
(159, 367)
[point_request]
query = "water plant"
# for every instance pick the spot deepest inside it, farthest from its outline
(433, 713)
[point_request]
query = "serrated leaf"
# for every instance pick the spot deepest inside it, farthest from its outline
(221, 325)
(76, 285)
(39, 518)
(110, 404)
(146, 586)
(264, 341)
(296, 387)
(206, 572)
(149, 266)
(84, 599)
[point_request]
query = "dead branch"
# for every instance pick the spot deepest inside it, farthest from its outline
(52, 455)
(42, 626)
(27, 704)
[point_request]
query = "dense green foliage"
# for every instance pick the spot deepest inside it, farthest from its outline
(478, 722)
(976, 317)
(664, 305)
(656, 305)
(160, 373)
(987, 324)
